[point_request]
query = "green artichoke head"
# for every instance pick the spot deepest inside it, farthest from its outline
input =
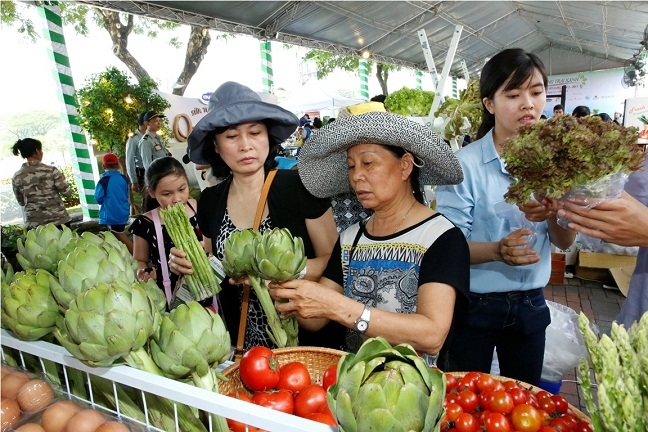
(155, 293)
(107, 322)
(28, 306)
(238, 253)
(191, 339)
(7, 274)
(42, 247)
(386, 388)
(279, 256)
(88, 266)
(105, 241)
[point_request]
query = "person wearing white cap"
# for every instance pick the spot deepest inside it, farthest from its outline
(401, 272)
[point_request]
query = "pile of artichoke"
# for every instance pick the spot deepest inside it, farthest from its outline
(274, 255)
(83, 289)
(385, 388)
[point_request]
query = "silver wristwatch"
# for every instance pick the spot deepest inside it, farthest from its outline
(362, 323)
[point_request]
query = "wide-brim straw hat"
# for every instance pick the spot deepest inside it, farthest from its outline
(322, 159)
(232, 104)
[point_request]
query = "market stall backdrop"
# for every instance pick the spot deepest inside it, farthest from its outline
(569, 36)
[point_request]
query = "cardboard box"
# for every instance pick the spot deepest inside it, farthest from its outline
(557, 269)
(596, 266)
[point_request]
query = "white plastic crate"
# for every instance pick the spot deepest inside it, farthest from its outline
(178, 392)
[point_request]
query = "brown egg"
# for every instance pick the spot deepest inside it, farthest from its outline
(30, 427)
(86, 420)
(113, 426)
(9, 413)
(34, 395)
(11, 384)
(57, 415)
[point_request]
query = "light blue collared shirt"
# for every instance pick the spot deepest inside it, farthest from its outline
(471, 206)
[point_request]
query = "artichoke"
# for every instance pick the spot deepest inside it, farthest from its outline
(192, 341)
(28, 307)
(7, 275)
(238, 253)
(155, 293)
(105, 240)
(279, 256)
(107, 322)
(42, 247)
(88, 266)
(387, 389)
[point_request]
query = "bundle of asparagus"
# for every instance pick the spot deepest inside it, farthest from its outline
(620, 366)
(202, 283)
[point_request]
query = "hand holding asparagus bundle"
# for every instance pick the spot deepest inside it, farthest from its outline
(202, 283)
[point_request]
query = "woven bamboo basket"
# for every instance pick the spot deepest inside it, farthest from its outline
(316, 359)
(577, 413)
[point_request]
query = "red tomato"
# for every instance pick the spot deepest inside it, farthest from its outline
(496, 422)
(453, 410)
(543, 393)
(469, 381)
(547, 404)
(259, 369)
(293, 376)
(322, 418)
(501, 402)
(451, 382)
(330, 376)
(466, 423)
(545, 418)
(236, 426)
(570, 421)
(583, 426)
(324, 409)
(518, 395)
(561, 403)
(546, 429)
(310, 400)
(451, 398)
(485, 382)
(240, 395)
(508, 385)
(525, 418)
(499, 386)
(559, 424)
(468, 400)
(279, 400)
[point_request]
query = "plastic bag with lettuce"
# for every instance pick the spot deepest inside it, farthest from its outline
(583, 160)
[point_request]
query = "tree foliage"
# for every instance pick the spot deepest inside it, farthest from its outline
(105, 111)
(119, 27)
(328, 62)
(36, 124)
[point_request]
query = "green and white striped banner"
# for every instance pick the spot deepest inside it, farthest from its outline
(82, 162)
(266, 67)
(455, 91)
(363, 71)
(419, 79)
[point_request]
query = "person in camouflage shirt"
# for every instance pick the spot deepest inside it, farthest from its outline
(38, 187)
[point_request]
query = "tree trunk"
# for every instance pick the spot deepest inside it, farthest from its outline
(383, 75)
(119, 34)
(199, 40)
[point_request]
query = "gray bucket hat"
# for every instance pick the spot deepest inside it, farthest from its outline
(231, 104)
(322, 160)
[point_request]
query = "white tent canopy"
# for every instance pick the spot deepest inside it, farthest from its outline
(313, 96)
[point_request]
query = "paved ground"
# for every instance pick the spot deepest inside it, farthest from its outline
(599, 304)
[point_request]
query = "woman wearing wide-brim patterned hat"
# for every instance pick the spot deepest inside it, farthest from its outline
(239, 138)
(399, 273)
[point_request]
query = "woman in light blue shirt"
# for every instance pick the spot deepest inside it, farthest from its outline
(507, 309)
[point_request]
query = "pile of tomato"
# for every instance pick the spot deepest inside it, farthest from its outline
(479, 402)
(287, 388)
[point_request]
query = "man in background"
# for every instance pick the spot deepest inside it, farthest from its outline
(151, 146)
(558, 110)
(134, 166)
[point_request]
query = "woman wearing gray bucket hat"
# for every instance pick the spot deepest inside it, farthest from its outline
(239, 137)
(399, 273)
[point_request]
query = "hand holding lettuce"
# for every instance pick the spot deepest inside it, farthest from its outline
(580, 159)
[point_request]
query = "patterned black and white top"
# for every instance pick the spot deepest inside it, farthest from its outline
(255, 333)
(386, 272)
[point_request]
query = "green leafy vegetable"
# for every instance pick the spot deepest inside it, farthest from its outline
(553, 156)
(410, 102)
(468, 107)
